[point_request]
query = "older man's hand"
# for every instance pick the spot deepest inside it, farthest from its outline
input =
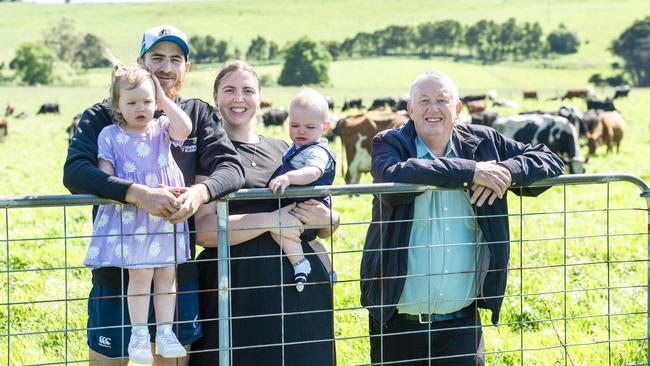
(493, 176)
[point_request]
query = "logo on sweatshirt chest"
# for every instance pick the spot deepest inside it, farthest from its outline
(189, 146)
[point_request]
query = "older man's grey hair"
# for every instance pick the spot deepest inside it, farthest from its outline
(436, 75)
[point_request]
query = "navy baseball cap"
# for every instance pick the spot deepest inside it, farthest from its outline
(164, 32)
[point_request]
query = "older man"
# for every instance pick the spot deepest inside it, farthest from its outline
(432, 258)
(207, 151)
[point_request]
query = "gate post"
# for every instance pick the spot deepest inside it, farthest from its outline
(223, 264)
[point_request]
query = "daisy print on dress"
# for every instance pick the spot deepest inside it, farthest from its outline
(162, 160)
(102, 220)
(92, 252)
(113, 236)
(127, 217)
(140, 234)
(151, 180)
(121, 251)
(129, 167)
(154, 249)
(122, 138)
(143, 150)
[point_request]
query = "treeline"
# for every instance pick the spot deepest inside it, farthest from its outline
(485, 40)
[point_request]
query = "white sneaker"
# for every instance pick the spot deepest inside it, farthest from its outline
(167, 345)
(140, 348)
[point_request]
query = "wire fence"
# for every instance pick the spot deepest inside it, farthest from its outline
(577, 289)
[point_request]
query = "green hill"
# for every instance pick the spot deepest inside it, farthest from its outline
(597, 21)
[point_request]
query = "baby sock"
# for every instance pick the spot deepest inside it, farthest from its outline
(300, 272)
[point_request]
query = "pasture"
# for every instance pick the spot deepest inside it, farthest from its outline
(32, 156)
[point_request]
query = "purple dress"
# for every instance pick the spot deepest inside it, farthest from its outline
(126, 235)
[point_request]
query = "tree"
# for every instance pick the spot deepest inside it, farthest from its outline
(33, 63)
(563, 40)
(63, 40)
(305, 63)
(258, 49)
(91, 52)
(633, 45)
(274, 50)
(447, 34)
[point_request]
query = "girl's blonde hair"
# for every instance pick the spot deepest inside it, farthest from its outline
(126, 77)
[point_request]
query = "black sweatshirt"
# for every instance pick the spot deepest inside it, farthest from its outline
(206, 151)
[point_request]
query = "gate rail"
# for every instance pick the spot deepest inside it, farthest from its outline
(10, 202)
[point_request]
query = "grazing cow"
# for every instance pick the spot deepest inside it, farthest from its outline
(275, 117)
(609, 130)
(476, 106)
(470, 98)
(589, 122)
(266, 103)
(606, 105)
(402, 104)
(578, 93)
(381, 103)
(72, 129)
(485, 118)
(556, 132)
(573, 115)
(352, 103)
(530, 94)
(356, 134)
(330, 103)
(4, 129)
(621, 91)
(9, 110)
(567, 111)
(49, 108)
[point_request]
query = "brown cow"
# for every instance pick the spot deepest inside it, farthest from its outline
(609, 130)
(72, 129)
(356, 134)
(4, 131)
(476, 106)
(578, 93)
(9, 110)
(266, 103)
(530, 94)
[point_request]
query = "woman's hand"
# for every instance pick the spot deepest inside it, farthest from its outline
(289, 225)
(312, 212)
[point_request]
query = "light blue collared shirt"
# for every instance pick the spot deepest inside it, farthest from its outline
(444, 257)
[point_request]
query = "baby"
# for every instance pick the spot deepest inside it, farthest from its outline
(307, 162)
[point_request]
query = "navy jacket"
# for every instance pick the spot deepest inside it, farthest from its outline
(384, 263)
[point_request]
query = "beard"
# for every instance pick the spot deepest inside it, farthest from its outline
(175, 90)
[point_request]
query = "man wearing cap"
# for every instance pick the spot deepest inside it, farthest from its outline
(207, 151)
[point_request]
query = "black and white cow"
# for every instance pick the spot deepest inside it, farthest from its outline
(556, 132)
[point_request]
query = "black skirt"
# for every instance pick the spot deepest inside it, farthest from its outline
(280, 322)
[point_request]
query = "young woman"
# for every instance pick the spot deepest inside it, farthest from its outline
(267, 310)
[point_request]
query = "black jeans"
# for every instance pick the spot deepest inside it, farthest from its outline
(407, 342)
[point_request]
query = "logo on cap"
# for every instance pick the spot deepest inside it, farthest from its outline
(164, 32)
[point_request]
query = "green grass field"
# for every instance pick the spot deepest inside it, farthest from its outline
(32, 156)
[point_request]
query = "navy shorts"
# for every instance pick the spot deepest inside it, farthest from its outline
(109, 329)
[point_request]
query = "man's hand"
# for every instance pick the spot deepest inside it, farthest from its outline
(493, 176)
(280, 182)
(156, 201)
(189, 201)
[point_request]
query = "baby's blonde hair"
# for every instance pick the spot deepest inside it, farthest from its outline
(126, 77)
(310, 99)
